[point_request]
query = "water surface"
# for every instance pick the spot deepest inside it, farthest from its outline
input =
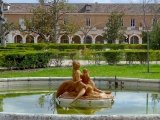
(43, 102)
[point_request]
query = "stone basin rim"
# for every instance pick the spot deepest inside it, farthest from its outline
(27, 116)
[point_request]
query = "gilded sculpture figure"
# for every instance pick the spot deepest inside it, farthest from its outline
(81, 86)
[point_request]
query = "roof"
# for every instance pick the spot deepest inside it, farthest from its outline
(95, 7)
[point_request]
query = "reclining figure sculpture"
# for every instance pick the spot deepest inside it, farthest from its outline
(80, 87)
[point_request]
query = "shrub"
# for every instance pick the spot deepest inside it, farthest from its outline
(113, 57)
(97, 56)
(130, 57)
(26, 60)
(141, 56)
(39, 46)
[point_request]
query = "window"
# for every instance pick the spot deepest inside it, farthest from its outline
(65, 41)
(88, 22)
(21, 23)
(140, 24)
(88, 7)
(65, 21)
(6, 6)
(132, 22)
(5, 20)
(122, 22)
(109, 20)
(154, 20)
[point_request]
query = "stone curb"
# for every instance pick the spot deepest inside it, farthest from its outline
(101, 81)
(69, 78)
(21, 116)
(58, 80)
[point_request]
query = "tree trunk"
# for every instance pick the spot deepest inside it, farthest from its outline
(55, 19)
(3, 41)
(2, 35)
(85, 36)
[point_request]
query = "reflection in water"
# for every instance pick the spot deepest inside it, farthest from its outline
(133, 102)
(155, 99)
(147, 103)
(65, 110)
(80, 111)
(1, 105)
(47, 98)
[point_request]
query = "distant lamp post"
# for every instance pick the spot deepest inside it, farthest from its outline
(16, 37)
(3, 7)
(148, 55)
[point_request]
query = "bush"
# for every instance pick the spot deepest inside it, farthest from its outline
(155, 56)
(130, 57)
(97, 56)
(115, 46)
(39, 46)
(26, 60)
(113, 57)
(136, 55)
(136, 46)
(141, 57)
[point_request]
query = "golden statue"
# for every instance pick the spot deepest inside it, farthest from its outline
(81, 86)
(83, 50)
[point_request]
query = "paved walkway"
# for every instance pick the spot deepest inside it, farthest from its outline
(91, 62)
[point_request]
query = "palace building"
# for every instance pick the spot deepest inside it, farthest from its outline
(93, 13)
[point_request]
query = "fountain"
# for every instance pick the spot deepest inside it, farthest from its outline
(81, 91)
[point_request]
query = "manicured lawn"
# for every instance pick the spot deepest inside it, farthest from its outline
(127, 71)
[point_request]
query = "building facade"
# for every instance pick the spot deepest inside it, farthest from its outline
(93, 14)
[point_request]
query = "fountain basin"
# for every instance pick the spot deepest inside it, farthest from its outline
(127, 83)
(99, 103)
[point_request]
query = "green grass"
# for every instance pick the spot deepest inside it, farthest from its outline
(127, 71)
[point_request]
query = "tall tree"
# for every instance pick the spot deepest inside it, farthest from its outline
(114, 27)
(150, 7)
(5, 30)
(154, 34)
(154, 37)
(144, 37)
(5, 27)
(47, 20)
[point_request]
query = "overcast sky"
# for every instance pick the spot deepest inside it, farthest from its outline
(74, 1)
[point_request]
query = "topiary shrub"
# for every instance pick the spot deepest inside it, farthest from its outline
(112, 57)
(26, 60)
(130, 57)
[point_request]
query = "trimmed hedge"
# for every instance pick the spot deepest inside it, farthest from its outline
(112, 57)
(62, 47)
(130, 56)
(136, 46)
(26, 56)
(25, 60)
(33, 59)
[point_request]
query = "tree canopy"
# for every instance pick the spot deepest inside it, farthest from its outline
(48, 20)
(155, 36)
(114, 27)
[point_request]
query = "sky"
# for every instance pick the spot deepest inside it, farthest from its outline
(74, 1)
